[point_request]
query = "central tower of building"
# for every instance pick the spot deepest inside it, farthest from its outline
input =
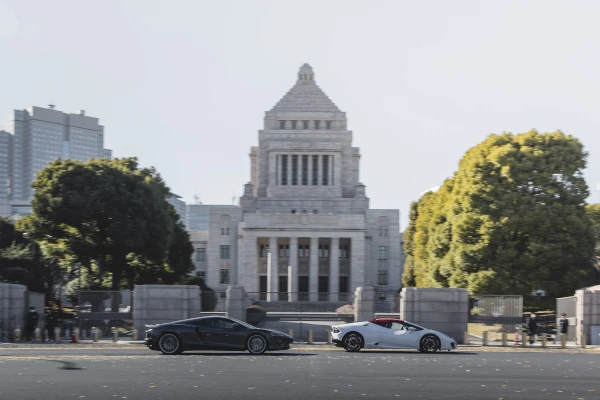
(304, 229)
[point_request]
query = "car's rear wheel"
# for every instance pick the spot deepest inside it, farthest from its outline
(256, 344)
(169, 344)
(353, 342)
(429, 344)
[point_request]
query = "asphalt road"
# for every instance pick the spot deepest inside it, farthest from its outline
(48, 374)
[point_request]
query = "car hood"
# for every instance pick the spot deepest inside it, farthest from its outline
(353, 324)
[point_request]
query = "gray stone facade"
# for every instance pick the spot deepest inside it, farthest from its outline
(303, 226)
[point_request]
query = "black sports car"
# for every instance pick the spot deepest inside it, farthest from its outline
(214, 333)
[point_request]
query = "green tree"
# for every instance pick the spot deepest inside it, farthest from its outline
(110, 215)
(511, 220)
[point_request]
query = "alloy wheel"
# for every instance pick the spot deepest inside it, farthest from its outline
(257, 344)
(169, 344)
(353, 342)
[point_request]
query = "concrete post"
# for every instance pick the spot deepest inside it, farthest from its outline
(329, 339)
(544, 340)
(485, 338)
(17, 334)
(364, 303)
(310, 336)
(115, 334)
(504, 339)
(524, 341)
(466, 338)
(38, 334)
(76, 335)
(94, 334)
(134, 335)
(57, 334)
(563, 339)
(291, 332)
(583, 340)
(235, 302)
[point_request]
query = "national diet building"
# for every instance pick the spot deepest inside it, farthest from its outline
(303, 228)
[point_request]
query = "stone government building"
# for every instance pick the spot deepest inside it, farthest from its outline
(303, 228)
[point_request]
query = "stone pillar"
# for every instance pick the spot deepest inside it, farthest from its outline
(357, 262)
(320, 170)
(272, 273)
(313, 270)
(293, 271)
(334, 270)
(364, 303)
(249, 271)
(235, 302)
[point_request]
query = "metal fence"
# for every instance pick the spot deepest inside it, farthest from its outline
(105, 310)
(495, 314)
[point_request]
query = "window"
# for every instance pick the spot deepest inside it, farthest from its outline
(224, 276)
(225, 252)
(304, 124)
(344, 251)
(324, 251)
(264, 250)
(382, 277)
(315, 170)
(382, 253)
(227, 231)
(281, 124)
(317, 124)
(294, 170)
(328, 124)
(200, 255)
(303, 211)
(284, 169)
(294, 124)
(293, 211)
(383, 232)
(222, 323)
(284, 251)
(303, 250)
(204, 322)
(325, 170)
(305, 170)
(315, 211)
(397, 326)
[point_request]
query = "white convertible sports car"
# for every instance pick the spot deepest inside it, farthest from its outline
(390, 333)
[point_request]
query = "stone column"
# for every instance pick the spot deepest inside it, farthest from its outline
(289, 169)
(357, 262)
(236, 302)
(320, 171)
(310, 174)
(313, 270)
(249, 265)
(334, 270)
(364, 303)
(272, 273)
(293, 271)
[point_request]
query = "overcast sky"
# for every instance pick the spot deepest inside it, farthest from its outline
(183, 85)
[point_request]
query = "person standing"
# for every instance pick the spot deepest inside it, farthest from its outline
(49, 324)
(31, 321)
(564, 325)
(532, 327)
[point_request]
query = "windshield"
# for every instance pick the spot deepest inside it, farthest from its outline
(244, 324)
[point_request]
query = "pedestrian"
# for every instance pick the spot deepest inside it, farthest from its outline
(564, 325)
(31, 321)
(532, 327)
(50, 322)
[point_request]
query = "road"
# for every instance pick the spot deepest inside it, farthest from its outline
(131, 373)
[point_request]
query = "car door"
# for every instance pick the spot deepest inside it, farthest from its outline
(399, 336)
(227, 336)
(206, 332)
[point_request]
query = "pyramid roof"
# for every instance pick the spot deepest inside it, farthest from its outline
(306, 95)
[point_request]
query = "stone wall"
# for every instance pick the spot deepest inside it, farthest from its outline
(156, 304)
(587, 311)
(12, 306)
(445, 310)
(364, 303)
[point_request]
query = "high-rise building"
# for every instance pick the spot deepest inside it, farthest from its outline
(34, 137)
(304, 227)
(178, 205)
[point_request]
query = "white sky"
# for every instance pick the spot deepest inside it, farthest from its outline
(183, 85)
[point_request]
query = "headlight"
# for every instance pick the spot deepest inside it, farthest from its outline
(277, 333)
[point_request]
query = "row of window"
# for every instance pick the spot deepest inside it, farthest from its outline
(224, 231)
(303, 169)
(383, 232)
(284, 252)
(304, 251)
(305, 212)
(305, 124)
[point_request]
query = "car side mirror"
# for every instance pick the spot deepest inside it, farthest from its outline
(236, 327)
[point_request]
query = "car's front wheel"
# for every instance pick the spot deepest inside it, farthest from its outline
(169, 344)
(353, 342)
(256, 344)
(429, 344)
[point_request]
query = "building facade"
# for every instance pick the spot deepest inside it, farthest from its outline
(303, 228)
(38, 136)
